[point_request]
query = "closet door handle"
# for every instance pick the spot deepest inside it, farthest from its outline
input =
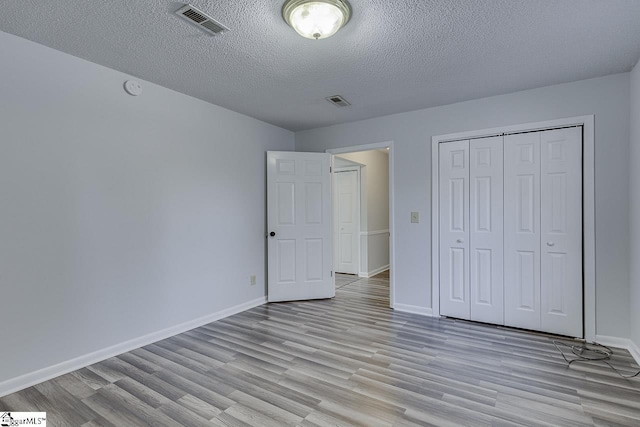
(460, 241)
(550, 244)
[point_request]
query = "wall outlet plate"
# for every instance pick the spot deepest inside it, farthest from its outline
(252, 279)
(415, 217)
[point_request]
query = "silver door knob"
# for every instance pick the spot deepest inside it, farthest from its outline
(550, 244)
(460, 240)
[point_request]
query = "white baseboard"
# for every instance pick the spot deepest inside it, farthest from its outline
(374, 233)
(618, 342)
(372, 273)
(32, 378)
(415, 309)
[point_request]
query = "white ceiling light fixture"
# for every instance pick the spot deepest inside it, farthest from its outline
(316, 19)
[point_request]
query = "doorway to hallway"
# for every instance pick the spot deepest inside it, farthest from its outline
(362, 213)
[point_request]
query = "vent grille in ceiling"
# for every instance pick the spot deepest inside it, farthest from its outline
(338, 101)
(201, 20)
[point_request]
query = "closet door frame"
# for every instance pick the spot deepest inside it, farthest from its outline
(588, 212)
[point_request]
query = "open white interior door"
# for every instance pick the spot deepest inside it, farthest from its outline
(299, 226)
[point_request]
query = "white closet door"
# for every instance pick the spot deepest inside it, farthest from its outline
(561, 226)
(522, 230)
(486, 223)
(454, 229)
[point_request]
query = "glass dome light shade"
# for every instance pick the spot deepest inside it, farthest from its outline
(316, 19)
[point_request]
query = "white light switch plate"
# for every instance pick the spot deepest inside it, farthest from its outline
(415, 217)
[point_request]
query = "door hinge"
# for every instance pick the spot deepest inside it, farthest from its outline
(330, 169)
(332, 274)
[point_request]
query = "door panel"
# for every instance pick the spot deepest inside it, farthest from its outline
(522, 230)
(486, 222)
(347, 213)
(458, 291)
(457, 198)
(299, 215)
(286, 261)
(527, 203)
(285, 201)
(561, 227)
(482, 290)
(454, 229)
(314, 201)
(313, 250)
(346, 252)
(526, 288)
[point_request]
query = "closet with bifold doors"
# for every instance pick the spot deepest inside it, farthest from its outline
(510, 230)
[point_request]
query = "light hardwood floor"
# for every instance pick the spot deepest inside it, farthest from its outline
(346, 361)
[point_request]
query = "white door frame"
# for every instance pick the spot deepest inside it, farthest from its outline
(334, 186)
(588, 206)
(392, 237)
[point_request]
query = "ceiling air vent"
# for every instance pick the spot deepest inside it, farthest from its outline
(338, 101)
(201, 20)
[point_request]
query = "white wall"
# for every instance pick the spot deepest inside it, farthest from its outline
(374, 226)
(606, 97)
(120, 215)
(634, 201)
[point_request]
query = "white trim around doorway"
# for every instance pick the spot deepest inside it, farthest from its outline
(392, 239)
(588, 195)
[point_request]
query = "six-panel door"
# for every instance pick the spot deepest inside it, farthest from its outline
(561, 231)
(485, 228)
(299, 226)
(522, 230)
(454, 229)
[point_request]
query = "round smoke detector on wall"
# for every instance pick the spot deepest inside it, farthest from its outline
(133, 87)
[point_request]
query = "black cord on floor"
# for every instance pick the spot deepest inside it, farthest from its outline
(590, 353)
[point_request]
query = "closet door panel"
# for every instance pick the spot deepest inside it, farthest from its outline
(522, 230)
(561, 226)
(454, 229)
(486, 224)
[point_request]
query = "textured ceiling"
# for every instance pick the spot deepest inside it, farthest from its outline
(393, 56)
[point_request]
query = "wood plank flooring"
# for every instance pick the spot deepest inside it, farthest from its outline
(341, 362)
(345, 279)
